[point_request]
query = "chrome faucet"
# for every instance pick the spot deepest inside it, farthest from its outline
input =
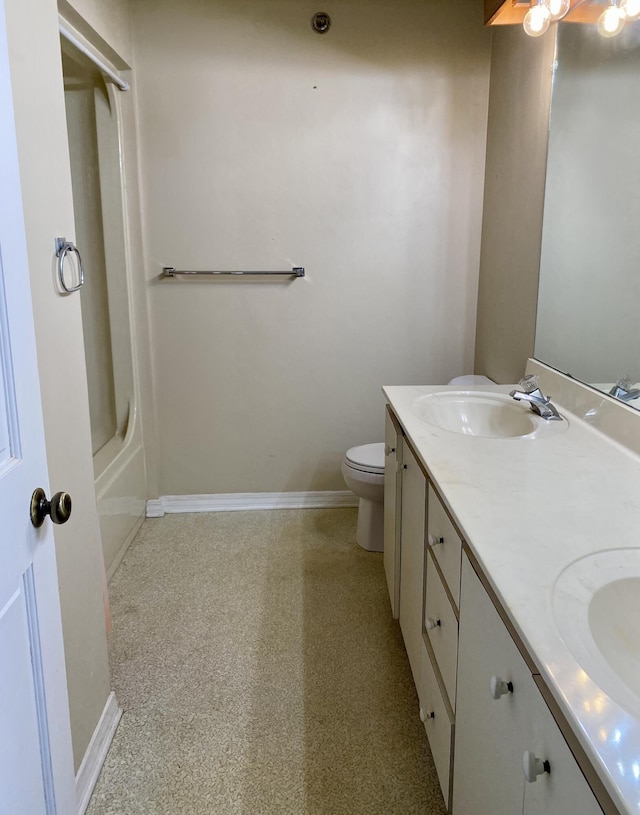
(538, 402)
(623, 390)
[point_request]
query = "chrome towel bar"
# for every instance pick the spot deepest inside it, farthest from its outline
(169, 271)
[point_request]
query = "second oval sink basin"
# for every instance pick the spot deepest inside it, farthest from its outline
(596, 606)
(489, 415)
(614, 614)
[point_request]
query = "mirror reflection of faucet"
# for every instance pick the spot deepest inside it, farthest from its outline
(538, 402)
(623, 390)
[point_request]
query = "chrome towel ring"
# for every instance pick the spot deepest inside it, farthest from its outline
(63, 248)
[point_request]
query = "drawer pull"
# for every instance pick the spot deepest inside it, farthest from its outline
(434, 540)
(388, 450)
(532, 766)
(424, 716)
(498, 687)
(430, 624)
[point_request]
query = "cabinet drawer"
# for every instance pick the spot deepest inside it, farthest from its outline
(437, 724)
(442, 629)
(445, 544)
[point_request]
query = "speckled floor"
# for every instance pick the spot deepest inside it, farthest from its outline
(260, 673)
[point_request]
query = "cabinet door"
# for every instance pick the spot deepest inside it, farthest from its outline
(564, 788)
(414, 496)
(487, 776)
(392, 507)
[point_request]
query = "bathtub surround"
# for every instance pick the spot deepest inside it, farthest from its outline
(124, 468)
(94, 123)
(297, 700)
(358, 155)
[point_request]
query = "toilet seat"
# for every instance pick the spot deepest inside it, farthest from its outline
(366, 458)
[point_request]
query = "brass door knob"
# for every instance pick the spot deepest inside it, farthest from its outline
(59, 507)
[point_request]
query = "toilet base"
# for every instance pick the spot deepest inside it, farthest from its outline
(370, 529)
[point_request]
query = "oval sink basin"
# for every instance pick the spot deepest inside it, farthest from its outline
(596, 606)
(488, 415)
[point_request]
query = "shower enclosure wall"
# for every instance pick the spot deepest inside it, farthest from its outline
(93, 124)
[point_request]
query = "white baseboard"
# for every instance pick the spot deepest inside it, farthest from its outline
(97, 752)
(229, 502)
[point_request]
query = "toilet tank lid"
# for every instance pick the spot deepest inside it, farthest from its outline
(369, 456)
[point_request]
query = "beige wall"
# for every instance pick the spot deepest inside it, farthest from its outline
(517, 136)
(36, 76)
(358, 154)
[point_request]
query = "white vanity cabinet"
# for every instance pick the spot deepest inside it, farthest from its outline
(412, 535)
(500, 717)
(484, 703)
(392, 507)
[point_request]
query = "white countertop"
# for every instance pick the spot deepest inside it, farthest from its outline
(528, 508)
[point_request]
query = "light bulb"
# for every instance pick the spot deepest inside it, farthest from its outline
(537, 19)
(611, 21)
(631, 9)
(558, 8)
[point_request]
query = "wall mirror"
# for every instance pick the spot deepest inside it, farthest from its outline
(588, 319)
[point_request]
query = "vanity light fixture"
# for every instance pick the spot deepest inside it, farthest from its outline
(631, 9)
(537, 19)
(544, 12)
(612, 19)
(560, 8)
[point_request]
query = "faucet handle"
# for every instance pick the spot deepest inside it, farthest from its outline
(529, 383)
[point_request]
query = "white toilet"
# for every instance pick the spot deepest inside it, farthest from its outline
(363, 471)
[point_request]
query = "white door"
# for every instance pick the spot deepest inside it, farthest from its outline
(36, 768)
